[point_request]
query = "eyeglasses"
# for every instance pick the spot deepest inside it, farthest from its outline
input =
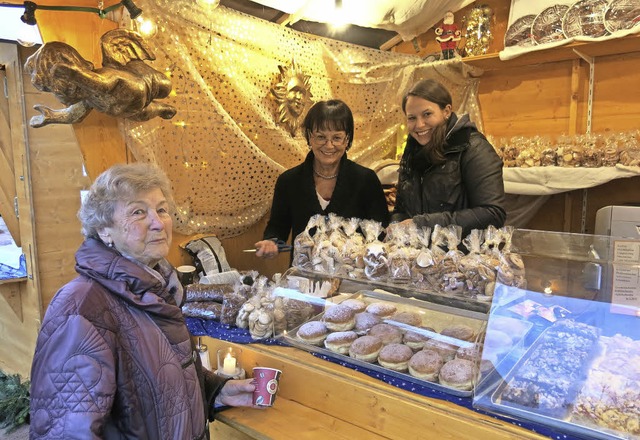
(336, 140)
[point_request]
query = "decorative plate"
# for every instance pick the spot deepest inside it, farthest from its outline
(519, 33)
(547, 26)
(621, 15)
(585, 18)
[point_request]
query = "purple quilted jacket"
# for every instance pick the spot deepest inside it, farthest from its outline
(114, 358)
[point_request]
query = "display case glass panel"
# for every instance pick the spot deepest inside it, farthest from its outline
(578, 367)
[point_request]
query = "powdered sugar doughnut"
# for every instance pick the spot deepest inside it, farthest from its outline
(340, 342)
(364, 322)
(381, 309)
(387, 333)
(356, 304)
(339, 318)
(395, 357)
(366, 348)
(313, 332)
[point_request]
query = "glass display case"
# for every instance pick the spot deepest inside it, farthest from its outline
(578, 367)
(560, 347)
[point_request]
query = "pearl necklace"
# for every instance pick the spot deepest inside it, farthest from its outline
(322, 176)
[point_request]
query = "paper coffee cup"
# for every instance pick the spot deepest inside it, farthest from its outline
(186, 274)
(266, 382)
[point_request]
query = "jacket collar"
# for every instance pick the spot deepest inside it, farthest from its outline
(458, 133)
(156, 290)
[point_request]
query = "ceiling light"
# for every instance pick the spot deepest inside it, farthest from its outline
(28, 35)
(145, 27)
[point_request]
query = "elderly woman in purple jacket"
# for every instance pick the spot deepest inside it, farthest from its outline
(114, 358)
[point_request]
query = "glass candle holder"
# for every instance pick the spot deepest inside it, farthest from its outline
(229, 363)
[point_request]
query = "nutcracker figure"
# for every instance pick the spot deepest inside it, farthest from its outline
(448, 36)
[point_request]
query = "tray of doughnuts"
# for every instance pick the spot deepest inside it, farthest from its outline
(418, 342)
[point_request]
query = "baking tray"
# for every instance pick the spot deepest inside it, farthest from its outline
(560, 420)
(436, 316)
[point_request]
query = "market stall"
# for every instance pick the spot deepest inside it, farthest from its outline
(233, 134)
(559, 291)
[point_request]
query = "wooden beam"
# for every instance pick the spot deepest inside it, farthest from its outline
(391, 43)
(284, 19)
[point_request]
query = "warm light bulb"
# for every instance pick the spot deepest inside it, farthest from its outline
(147, 28)
(339, 20)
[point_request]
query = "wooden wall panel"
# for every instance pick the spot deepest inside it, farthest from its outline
(7, 176)
(526, 101)
(101, 143)
(536, 100)
(19, 301)
(617, 93)
(56, 179)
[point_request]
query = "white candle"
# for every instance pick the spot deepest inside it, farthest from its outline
(229, 366)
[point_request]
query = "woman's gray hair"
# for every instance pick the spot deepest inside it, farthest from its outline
(121, 182)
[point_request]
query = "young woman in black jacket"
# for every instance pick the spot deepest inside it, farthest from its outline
(449, 172)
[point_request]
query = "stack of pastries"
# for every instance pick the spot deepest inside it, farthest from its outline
(424, 259)
(547, 380)
(611, 394)
(398, 338)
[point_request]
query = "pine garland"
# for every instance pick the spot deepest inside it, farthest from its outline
(14, 402)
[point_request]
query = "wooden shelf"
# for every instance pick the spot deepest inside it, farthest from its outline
(13, 280)
(318, 399)
(618, 46)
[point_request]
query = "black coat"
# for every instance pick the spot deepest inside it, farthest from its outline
(466, 190)
(358, 193)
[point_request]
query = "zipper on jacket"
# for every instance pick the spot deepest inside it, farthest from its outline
(191, 360)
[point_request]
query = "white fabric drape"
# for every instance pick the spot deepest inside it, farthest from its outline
(409, 18)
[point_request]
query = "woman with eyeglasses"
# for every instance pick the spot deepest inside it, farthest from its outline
(449, 173)
(326, 182)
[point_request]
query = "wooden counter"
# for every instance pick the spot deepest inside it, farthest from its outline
(318, 399)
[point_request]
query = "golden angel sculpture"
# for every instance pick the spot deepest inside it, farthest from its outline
(124, 87)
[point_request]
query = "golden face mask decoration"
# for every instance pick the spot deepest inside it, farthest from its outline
(292, 93)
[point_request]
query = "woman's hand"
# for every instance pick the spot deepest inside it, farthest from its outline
(237, 393)
(266, 249)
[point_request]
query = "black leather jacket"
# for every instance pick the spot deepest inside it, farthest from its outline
(466, 190)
